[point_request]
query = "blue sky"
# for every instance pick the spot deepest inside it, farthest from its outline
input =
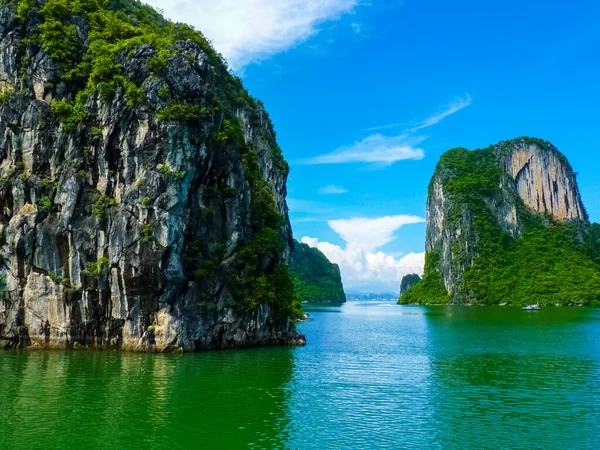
(335, 73)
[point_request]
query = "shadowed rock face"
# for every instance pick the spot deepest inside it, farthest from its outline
(408, 282)
(316, 279)
(96, 220)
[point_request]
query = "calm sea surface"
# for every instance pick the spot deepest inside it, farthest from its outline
(373, 375)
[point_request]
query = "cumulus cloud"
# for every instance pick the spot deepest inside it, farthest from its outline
(369, 271)
(377, 149)
(333, 189)
(247, 31)
(362, 266)
(370, 234)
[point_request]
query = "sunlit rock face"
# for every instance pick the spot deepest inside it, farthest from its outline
(98, 221)
(545, 181)
(533, 175)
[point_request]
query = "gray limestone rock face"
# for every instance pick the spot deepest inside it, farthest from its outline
(534, 175)
(96, 220)
(544, 182)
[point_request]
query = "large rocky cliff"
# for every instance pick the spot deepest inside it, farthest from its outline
(142, 192)
(507, 224)
(316, 279)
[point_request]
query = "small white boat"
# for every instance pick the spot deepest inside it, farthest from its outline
(531, 308)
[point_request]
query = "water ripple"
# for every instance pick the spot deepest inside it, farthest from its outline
(372, 376)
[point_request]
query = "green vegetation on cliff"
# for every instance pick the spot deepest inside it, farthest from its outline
(430, 289)
(115, 26)
(550, 265)
(121, 52)
(408, 282)
(549, 262)
(316, 279)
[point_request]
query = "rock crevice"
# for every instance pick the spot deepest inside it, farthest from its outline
(544, 181)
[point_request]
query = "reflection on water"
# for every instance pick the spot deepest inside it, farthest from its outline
(374, 375)
(442, 377)
(96, 400)
(363, 380)
(512, 379)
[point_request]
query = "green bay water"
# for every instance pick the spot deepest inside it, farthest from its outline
(373, 375)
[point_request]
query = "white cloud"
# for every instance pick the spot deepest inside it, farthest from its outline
(356, 27)
(377, 149)
(369, 272)
(246, 31)
(446, 111)
(382, 151)
(370, 234)
(308, 206)
(333, 189)
(437, 117)
(304, 220)
(363, 267)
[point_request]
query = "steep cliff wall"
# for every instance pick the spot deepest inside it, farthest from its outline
(316, 279)
(507, 224)
(544, 180)
(408, 282)
(142, 191)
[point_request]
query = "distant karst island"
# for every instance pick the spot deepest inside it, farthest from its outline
(408, 281)
(316, 279)
(506, 225)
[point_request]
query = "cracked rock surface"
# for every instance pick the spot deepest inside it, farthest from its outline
(95, 221)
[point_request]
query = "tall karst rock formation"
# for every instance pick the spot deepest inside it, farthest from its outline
(142, 191)
(507, 224)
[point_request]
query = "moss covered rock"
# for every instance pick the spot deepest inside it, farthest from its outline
(140, 186)
(316, 279)
(506, 224)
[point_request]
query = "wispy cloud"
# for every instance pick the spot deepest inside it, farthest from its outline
(381, 151)
(437, 117)
(305, 220)
(332, 189)
(447, 110)
(356, 27)
(252, 30)
(377, 149)
(298, 206)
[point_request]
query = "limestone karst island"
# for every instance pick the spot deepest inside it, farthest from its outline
(143, 188)
(505, 225)
(349, 262)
